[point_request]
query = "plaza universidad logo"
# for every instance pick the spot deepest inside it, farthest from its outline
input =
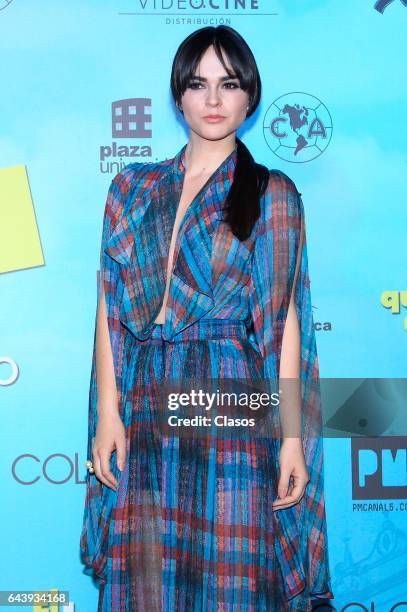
(131, 118)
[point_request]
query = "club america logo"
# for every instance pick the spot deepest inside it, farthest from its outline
(297, 127)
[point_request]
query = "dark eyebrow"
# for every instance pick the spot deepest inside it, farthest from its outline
(224, 78)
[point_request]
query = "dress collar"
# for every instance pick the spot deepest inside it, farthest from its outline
(141, 241)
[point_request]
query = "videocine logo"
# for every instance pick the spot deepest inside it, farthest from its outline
(197, 8)
(379, 468)
(381, 5)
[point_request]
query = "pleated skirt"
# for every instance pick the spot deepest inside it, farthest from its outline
(192, 527)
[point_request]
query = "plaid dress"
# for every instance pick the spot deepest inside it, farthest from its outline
(191, 526)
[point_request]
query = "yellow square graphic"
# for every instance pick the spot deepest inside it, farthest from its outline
(20, 245)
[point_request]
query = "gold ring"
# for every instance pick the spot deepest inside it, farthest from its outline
(89, 465)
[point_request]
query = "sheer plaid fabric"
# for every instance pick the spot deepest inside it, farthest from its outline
(191, 526)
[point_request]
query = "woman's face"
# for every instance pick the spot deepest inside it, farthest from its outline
(212, 92)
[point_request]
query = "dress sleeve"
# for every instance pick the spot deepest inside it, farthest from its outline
(93, 539)
(109, 279)
(280, 258)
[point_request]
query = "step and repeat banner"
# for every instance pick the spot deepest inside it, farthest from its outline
(85, 91)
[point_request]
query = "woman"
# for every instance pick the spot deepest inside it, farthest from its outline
(204, 275)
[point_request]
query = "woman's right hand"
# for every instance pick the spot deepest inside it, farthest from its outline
(110, 436)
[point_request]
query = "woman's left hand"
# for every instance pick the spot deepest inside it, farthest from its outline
(292, 464)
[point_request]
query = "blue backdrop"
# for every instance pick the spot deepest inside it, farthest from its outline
(85, 90)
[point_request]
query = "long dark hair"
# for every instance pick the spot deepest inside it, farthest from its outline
(242, 206)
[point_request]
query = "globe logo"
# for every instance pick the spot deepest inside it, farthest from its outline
(4, 4)
(297, 127)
